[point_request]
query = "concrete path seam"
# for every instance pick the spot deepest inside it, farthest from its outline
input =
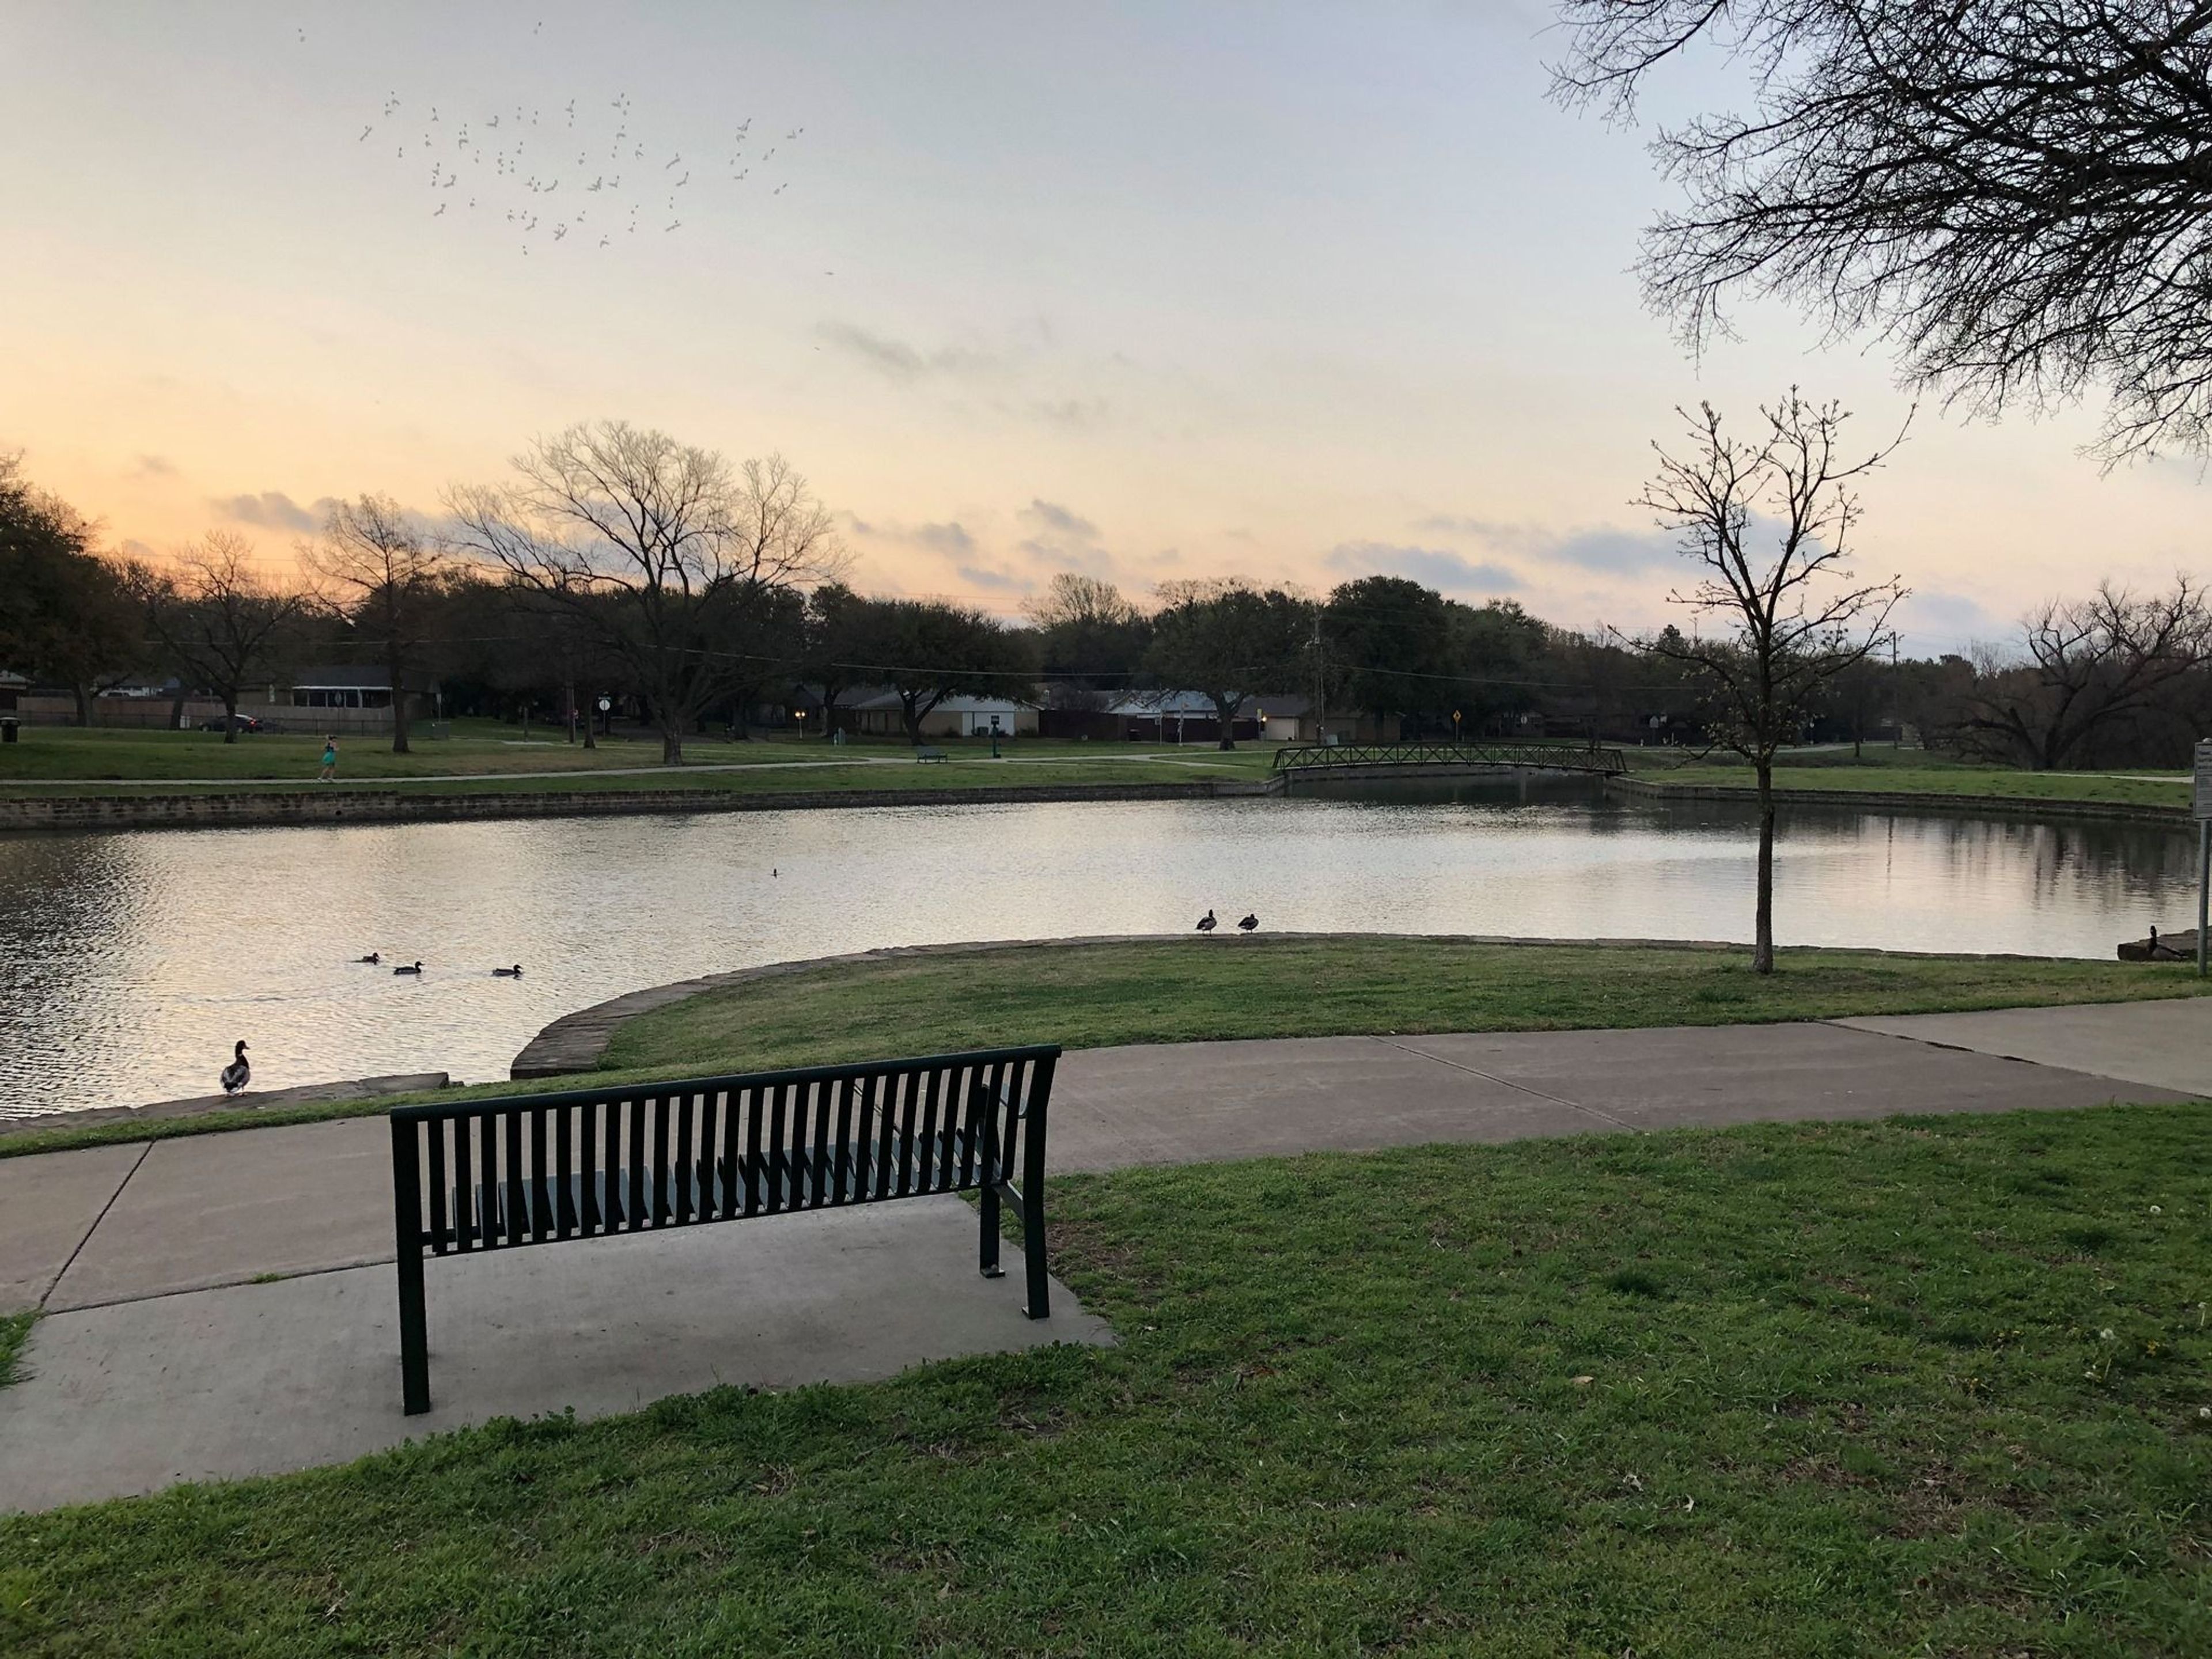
(353, 1265)
(1508, 1082)
(136, 1164)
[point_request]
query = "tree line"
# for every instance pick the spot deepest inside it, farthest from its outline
(618, 562)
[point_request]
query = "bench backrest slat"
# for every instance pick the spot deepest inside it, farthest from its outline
(530, 1169)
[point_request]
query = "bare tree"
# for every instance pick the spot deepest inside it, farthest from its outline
(1768, 524)
(2090, 666)
(2016, 195)
(384, 572)
(660, 552)
(221, 623)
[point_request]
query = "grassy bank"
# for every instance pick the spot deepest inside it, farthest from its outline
(1930, 1386)
(487, 756)
(1181, 990)
(1088, 996)
(1913, 772)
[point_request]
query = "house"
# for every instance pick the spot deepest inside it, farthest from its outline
(11, 687)
(882, 714)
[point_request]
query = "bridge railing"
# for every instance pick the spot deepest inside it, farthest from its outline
(1549, 757)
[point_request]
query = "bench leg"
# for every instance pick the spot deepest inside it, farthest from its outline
(1040, 1302)
(988, 1240)
(414, 1337)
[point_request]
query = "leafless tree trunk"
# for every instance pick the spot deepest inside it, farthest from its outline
(1767, 523)
(658, 551)
(218, 619)
(384, 569)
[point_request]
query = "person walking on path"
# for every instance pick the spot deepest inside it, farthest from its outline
(330, 772)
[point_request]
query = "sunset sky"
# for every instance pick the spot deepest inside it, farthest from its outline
(1294, 292)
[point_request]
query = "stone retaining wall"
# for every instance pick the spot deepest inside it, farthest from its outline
(244, 809)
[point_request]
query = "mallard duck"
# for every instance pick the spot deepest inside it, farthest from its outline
(238, 1074)
(1250, 923)
(514, 972)
(416, 968)
(1206, 924)
(372, 958)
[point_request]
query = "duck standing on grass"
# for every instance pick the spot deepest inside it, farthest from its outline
(1250, 924)
(1206, 924)
(238, 1074)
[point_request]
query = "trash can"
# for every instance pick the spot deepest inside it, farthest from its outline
(7, 726)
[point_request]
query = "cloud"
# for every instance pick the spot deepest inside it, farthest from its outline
(905, 363)
(1946, 622)
(1075, 414)
(952, 538)
(1053, 517)
(998, 581)
(274, 510)
(153, 466)
(1605, 549)
(1437, 567)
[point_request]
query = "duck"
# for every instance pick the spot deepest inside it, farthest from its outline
(372, 958)
(1206, 924)
(514, 972)
(416, 968)
(1250, 924)
(238, 1074)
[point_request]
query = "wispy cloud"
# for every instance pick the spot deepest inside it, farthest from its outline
(274, 510)
(906, 364)
(1059, 521)
(1605, 549)
(153, 466)
(1439, 568)
(950, 538)
(997, 581)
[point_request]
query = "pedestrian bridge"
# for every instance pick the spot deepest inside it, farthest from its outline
(1367, 760)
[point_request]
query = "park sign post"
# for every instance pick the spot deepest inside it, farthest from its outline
(2200, 804)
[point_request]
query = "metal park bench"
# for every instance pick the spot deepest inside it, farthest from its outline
(931, 754)
(493, 1175)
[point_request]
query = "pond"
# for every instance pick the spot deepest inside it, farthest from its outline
(130, 962)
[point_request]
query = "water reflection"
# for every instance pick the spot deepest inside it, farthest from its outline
(130, 963)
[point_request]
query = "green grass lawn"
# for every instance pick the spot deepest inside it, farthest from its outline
(1188, 989)
(1931, 1387)
(488, 756)
(1915, 772)
(1088, 996)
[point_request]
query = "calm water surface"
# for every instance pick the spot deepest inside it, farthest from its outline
(130, 963)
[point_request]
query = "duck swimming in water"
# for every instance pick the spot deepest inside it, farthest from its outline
(416, 968)
(372, 958)
(238, 1074)
(514, 972)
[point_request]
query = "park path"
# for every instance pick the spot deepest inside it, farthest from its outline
(223, 1305)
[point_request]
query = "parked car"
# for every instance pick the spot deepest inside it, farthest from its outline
(243, 722)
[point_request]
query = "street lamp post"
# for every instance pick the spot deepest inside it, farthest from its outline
(995, 737)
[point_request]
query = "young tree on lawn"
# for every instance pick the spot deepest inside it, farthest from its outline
(1228, 641)
(383, 572)
(1767, 522)
(927, 651)
(2014, 195)
(660, 552)
(219, 622)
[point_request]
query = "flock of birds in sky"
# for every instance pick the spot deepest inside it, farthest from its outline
(582, 174)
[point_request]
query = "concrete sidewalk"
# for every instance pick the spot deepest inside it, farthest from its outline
(160, 1358)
